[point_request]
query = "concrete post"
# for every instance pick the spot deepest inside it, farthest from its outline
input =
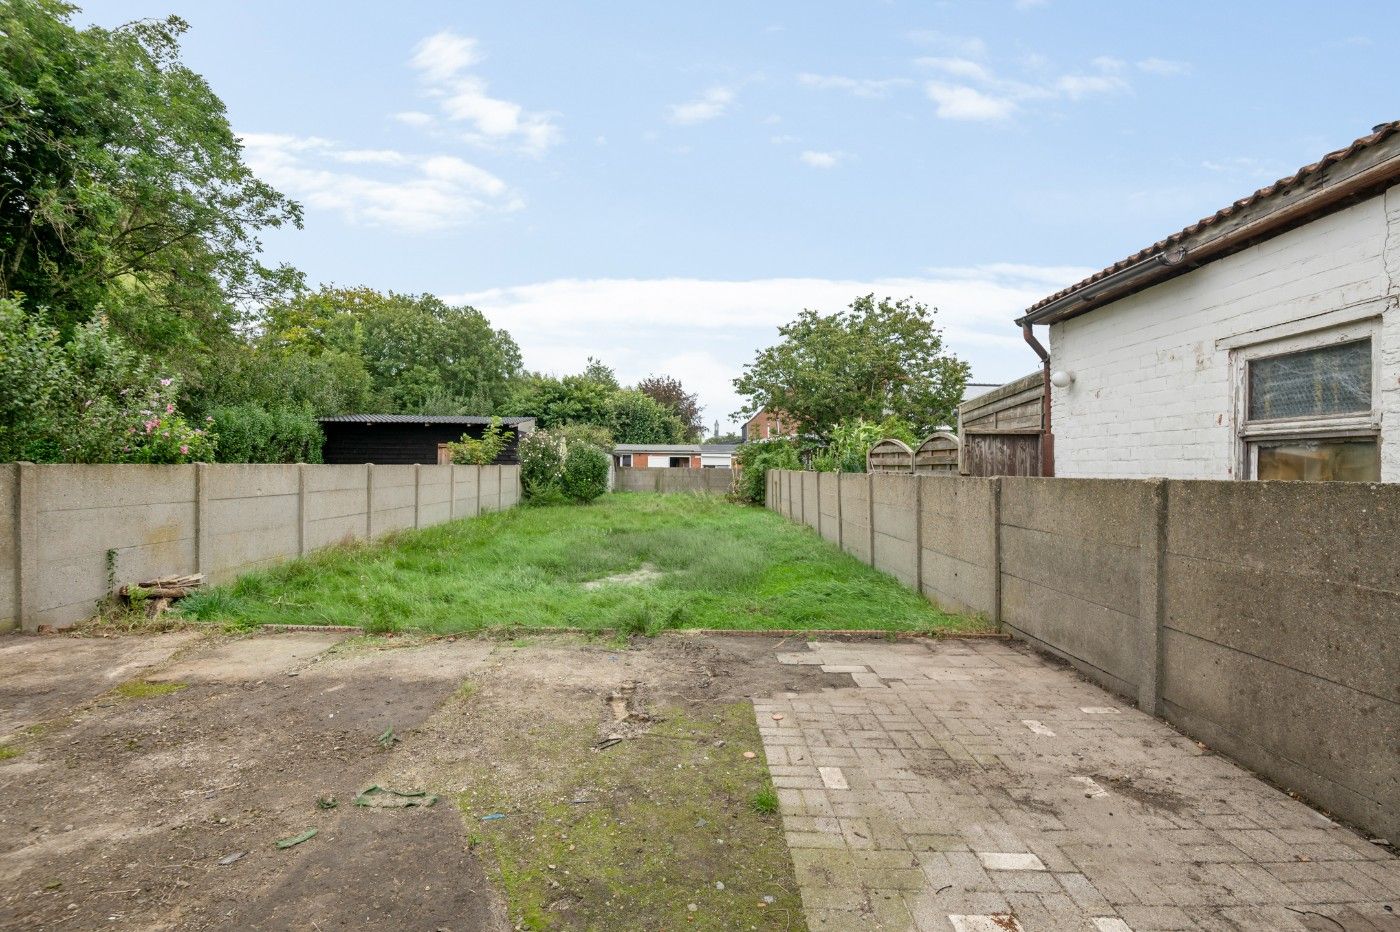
(802, 497)
(1152, 565)
(203, 550)
(994, 529)
(500, 488)
(301, 509)
(417, 494)
(369, 501)
(452, 492)
(840, 520)
(26, 546)
(918, 534)
(870, 513)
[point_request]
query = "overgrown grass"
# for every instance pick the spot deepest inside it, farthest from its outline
(722, 566)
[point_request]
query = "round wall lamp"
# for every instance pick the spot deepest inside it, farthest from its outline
(1061, 379)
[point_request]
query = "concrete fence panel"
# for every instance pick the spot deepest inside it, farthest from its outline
(715, 480)
(466, 491)
(489, 489)
(895, 537)
(855, 515)
(335, 505)
(145, 515)
(1069, 571)
(1281, 620)
(69, 533)
(1262, 618)
(958, 522)
(510, 486)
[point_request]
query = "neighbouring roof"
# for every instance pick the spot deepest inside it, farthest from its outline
(425, 419)
(677, 448)
(1367, 166)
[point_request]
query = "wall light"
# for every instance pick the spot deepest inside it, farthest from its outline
(1061, 379)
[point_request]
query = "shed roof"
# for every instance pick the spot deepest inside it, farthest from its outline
(658, 448)
(1362, 169)
(425, 419)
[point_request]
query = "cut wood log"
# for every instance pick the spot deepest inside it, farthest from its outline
(189, 581)
(155, 592)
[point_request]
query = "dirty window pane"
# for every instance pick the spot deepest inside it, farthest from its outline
(1321, 461)
(1330, 380)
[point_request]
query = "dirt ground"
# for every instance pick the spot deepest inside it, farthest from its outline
(157, 805)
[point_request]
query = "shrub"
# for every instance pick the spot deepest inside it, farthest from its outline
(541, 464)
(755, 459)
(249, 433)
(470, 451)
(852, 440)
(585, 475)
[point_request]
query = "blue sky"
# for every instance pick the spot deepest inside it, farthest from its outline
(660, 185)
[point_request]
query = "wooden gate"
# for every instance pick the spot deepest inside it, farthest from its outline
(1000, 430)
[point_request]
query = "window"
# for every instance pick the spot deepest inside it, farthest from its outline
(624, 460)
(1307, 407)
(680, 462)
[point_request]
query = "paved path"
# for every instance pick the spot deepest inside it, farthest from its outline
(971, 786)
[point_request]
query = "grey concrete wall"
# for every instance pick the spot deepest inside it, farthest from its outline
(895, 503)
(59, 523)
(1261, 618)
(959, 540)
(717, 480)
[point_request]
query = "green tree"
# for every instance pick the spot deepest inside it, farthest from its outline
(553, 402)
(756, 459)
(634, 417)
(483, 450)
(671, 394)
(871, 361)
(122, 186)
(421, 354)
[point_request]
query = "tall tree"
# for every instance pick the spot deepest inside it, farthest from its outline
(670, 394)
(871, 361)
(422, 355)
(123, 188)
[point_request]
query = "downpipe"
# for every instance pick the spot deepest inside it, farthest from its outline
(1047, 437)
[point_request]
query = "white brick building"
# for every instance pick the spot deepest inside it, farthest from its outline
(1262, 342)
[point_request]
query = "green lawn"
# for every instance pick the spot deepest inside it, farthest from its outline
(717, 565)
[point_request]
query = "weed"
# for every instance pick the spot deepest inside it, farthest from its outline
(764, 802)
(141, 689)
(9, 752)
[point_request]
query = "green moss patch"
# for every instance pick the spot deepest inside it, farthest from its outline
(657, 832)
(141, 689)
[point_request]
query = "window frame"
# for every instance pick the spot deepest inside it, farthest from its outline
(624, 460)
(1352, 426)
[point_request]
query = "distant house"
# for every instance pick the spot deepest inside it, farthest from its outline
(1262, 342)
(408, 438)
(767, 425)
(673, 455)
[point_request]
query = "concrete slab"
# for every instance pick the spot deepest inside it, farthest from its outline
(48, 676)
(249, 659)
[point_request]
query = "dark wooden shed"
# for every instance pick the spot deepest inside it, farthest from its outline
(408, 438)
(1000, 431)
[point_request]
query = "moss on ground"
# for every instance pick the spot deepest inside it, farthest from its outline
(141, 689)
(9, 751)
(657, 832)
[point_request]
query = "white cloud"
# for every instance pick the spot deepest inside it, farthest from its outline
(441, 61)
(860, 87)
(1109, 63)
(379, 187)
(414, 118)
(822, 159)
(639, 325)
(1164, 66)
(1079, 86)
(441, 56)
(959, 102)
(958, 68)
(965, 46)
(713, 103)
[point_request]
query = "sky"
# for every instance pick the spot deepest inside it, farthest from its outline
(661, 185)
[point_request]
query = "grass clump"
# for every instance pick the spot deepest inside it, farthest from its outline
(719, 565)
(764, 802)
(141, 689)
(9, 752)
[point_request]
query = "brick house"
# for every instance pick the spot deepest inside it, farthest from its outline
(673, 455)
(766, 425)
(1262, 342)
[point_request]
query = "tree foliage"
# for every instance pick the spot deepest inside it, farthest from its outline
(483, 450)
(123, 188)
(851, 442)
(756, 459)
(671, 395)
(873, 360)
(585, 473)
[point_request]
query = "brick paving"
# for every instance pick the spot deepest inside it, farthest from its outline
(972, 785)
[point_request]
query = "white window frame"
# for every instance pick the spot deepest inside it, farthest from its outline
(624, 460)
(1358, 426)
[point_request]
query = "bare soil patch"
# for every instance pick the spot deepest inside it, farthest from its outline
(118, 814)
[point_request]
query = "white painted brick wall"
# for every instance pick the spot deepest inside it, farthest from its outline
(1152, 395)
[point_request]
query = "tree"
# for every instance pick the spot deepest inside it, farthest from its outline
(871, 361)
(122, 186)
(637, 418)
(421, 354)
(669, 393)
(724, 438)
(473, 451)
